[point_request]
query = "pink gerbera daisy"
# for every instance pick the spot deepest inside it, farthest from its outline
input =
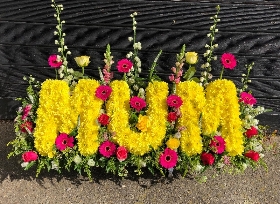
(218, 145)
(168, 158)
(103, 92)
(228, 60)
(63, 141)
(124, 65)
(137, 103)
(247, 98)
(107, 149)
(174, 101)
(53, 62)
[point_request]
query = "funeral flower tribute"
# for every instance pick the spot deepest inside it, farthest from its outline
(187, 125)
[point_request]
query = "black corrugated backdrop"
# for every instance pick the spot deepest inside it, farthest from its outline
(248, 29)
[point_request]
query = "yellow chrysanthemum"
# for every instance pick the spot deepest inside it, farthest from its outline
(173, 143)
(193, 98)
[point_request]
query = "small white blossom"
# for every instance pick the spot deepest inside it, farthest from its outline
(55, 15)
(68, 52)
(177, 135)
(55, 165)
(139, 69)
(261, 155)
(215, 58)
(198, 168)
(131, 80)
(24, 164)
(202, 79)
(207, 64)
(77, 159)
(130, 39)
(91, 162)
(55, 32)
(135, 87)
(244, 166)
(65, 47)
(216, 30)
(59, 49)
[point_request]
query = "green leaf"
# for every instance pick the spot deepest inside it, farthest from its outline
(189, 73)
(29, 165)
(195, 79)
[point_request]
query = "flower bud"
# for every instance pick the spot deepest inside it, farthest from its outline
(191, 57)
(82, 61)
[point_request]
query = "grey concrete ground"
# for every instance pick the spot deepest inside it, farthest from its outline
(18, 186)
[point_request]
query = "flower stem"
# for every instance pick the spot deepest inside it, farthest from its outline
(55, 73)
(221, 76)
(83, 71)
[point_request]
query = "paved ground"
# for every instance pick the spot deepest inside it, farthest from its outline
(18, 186)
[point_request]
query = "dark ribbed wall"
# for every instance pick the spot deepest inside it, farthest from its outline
(248, 29)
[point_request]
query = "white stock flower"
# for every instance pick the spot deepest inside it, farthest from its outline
(24, 164)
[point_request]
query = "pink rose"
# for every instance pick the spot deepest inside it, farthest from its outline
(207, 158)
(121, 154)
(172, 116)
(28, 125)
(29, 156)
(252, 155)
(251, 132)
(103, 119)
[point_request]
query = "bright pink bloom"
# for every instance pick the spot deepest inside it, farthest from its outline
(53, 61)
(121, 153)
(63, 141)
(217, 145)
(137, 103)
(29, 156)
(124, 65)
(107, 149)
(174, 101)
(251, 132)
(228, 60)
(26, 111)
(247, 98)
(168, 159)
(103, 119)
(103, 92)
(207, 158)
(252, 155)
(26, 126)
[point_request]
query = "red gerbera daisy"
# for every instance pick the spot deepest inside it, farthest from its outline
(137, 103)
(124, 65)
(168, 158)
(53, 61)
(218, 145)
(63, 141)
(228, 60)
(174, 101)
(103, 92)
(107, 149)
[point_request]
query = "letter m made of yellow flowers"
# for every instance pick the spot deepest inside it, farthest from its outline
(58, 112)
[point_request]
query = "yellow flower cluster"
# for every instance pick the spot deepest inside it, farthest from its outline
(118, 109)
(52, 115)
(173, 143)
(193, 98)
(88, 106)
(58, 112)
(222, 110)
